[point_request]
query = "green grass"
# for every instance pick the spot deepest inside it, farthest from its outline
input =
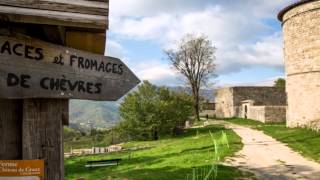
(84, 142)
(245, 122)
(302, 140)
(75, 140)
(198, 123)
(169, 158)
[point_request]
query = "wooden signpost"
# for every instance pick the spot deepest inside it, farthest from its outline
(91, 14)
(52, 51)
(31, 68)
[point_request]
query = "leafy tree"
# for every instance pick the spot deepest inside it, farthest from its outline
(174, 109)
(280, 82)
(152, 111)
(194, 58)
(70, 134)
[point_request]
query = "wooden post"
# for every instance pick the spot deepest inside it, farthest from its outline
(32, 128)
(10, 129)
(42, 134)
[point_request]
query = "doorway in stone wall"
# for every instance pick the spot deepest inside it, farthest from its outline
(245, 111)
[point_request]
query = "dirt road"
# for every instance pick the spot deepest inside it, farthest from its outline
(269, 158)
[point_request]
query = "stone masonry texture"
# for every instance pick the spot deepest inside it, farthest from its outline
(229, 100)
(301, 28)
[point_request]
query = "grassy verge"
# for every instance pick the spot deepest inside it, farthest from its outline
(304, 141)
(245, 122)
(84, 142)
(170, 158)
(76, 140)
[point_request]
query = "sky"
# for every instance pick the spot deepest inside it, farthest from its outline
(246, 33)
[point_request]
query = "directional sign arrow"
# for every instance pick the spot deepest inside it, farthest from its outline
(30, 68)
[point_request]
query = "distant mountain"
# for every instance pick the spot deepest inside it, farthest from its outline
(207, 94)
(84, 114)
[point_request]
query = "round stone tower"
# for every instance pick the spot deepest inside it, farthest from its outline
(301, 28)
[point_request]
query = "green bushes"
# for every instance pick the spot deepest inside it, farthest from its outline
(70, 134)
(153, 111)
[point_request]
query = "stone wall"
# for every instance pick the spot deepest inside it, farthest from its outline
(229, 100)
(224, 103)
(208, 106)
(301, 27)
(256, 113)
(275, 113)
(210, 113)
(269, 96)
(265, 114)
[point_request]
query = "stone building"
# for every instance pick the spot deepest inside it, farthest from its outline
(301, 28)
(262, 113)
(229, 101)
(208, 109)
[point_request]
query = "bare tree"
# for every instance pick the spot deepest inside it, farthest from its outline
(195, 59)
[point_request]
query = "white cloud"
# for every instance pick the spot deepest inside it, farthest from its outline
(160, 73)
(114, 49)
(156, 72)
(266, 52)
(144, 29)
(144, 8)
(237, 28)
(221, 26)
(264, 82)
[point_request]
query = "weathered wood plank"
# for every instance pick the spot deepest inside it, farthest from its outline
(87, 41)
(42, 82)
(64, 105)
(75, 6)
(99, 0)
(10, 129)
(45, 70)
(38, 16)
(54, 34)
(42, 135)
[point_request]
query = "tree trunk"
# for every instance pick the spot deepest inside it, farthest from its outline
(155, 134)
(197, 110)
(196, 105)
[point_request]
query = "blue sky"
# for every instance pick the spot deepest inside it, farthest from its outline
(246, 33)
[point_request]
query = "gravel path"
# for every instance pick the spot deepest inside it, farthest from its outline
(269, 158)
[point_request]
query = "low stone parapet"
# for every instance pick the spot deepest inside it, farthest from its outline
(265, 114)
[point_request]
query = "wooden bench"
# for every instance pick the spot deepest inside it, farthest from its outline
(102, 163)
